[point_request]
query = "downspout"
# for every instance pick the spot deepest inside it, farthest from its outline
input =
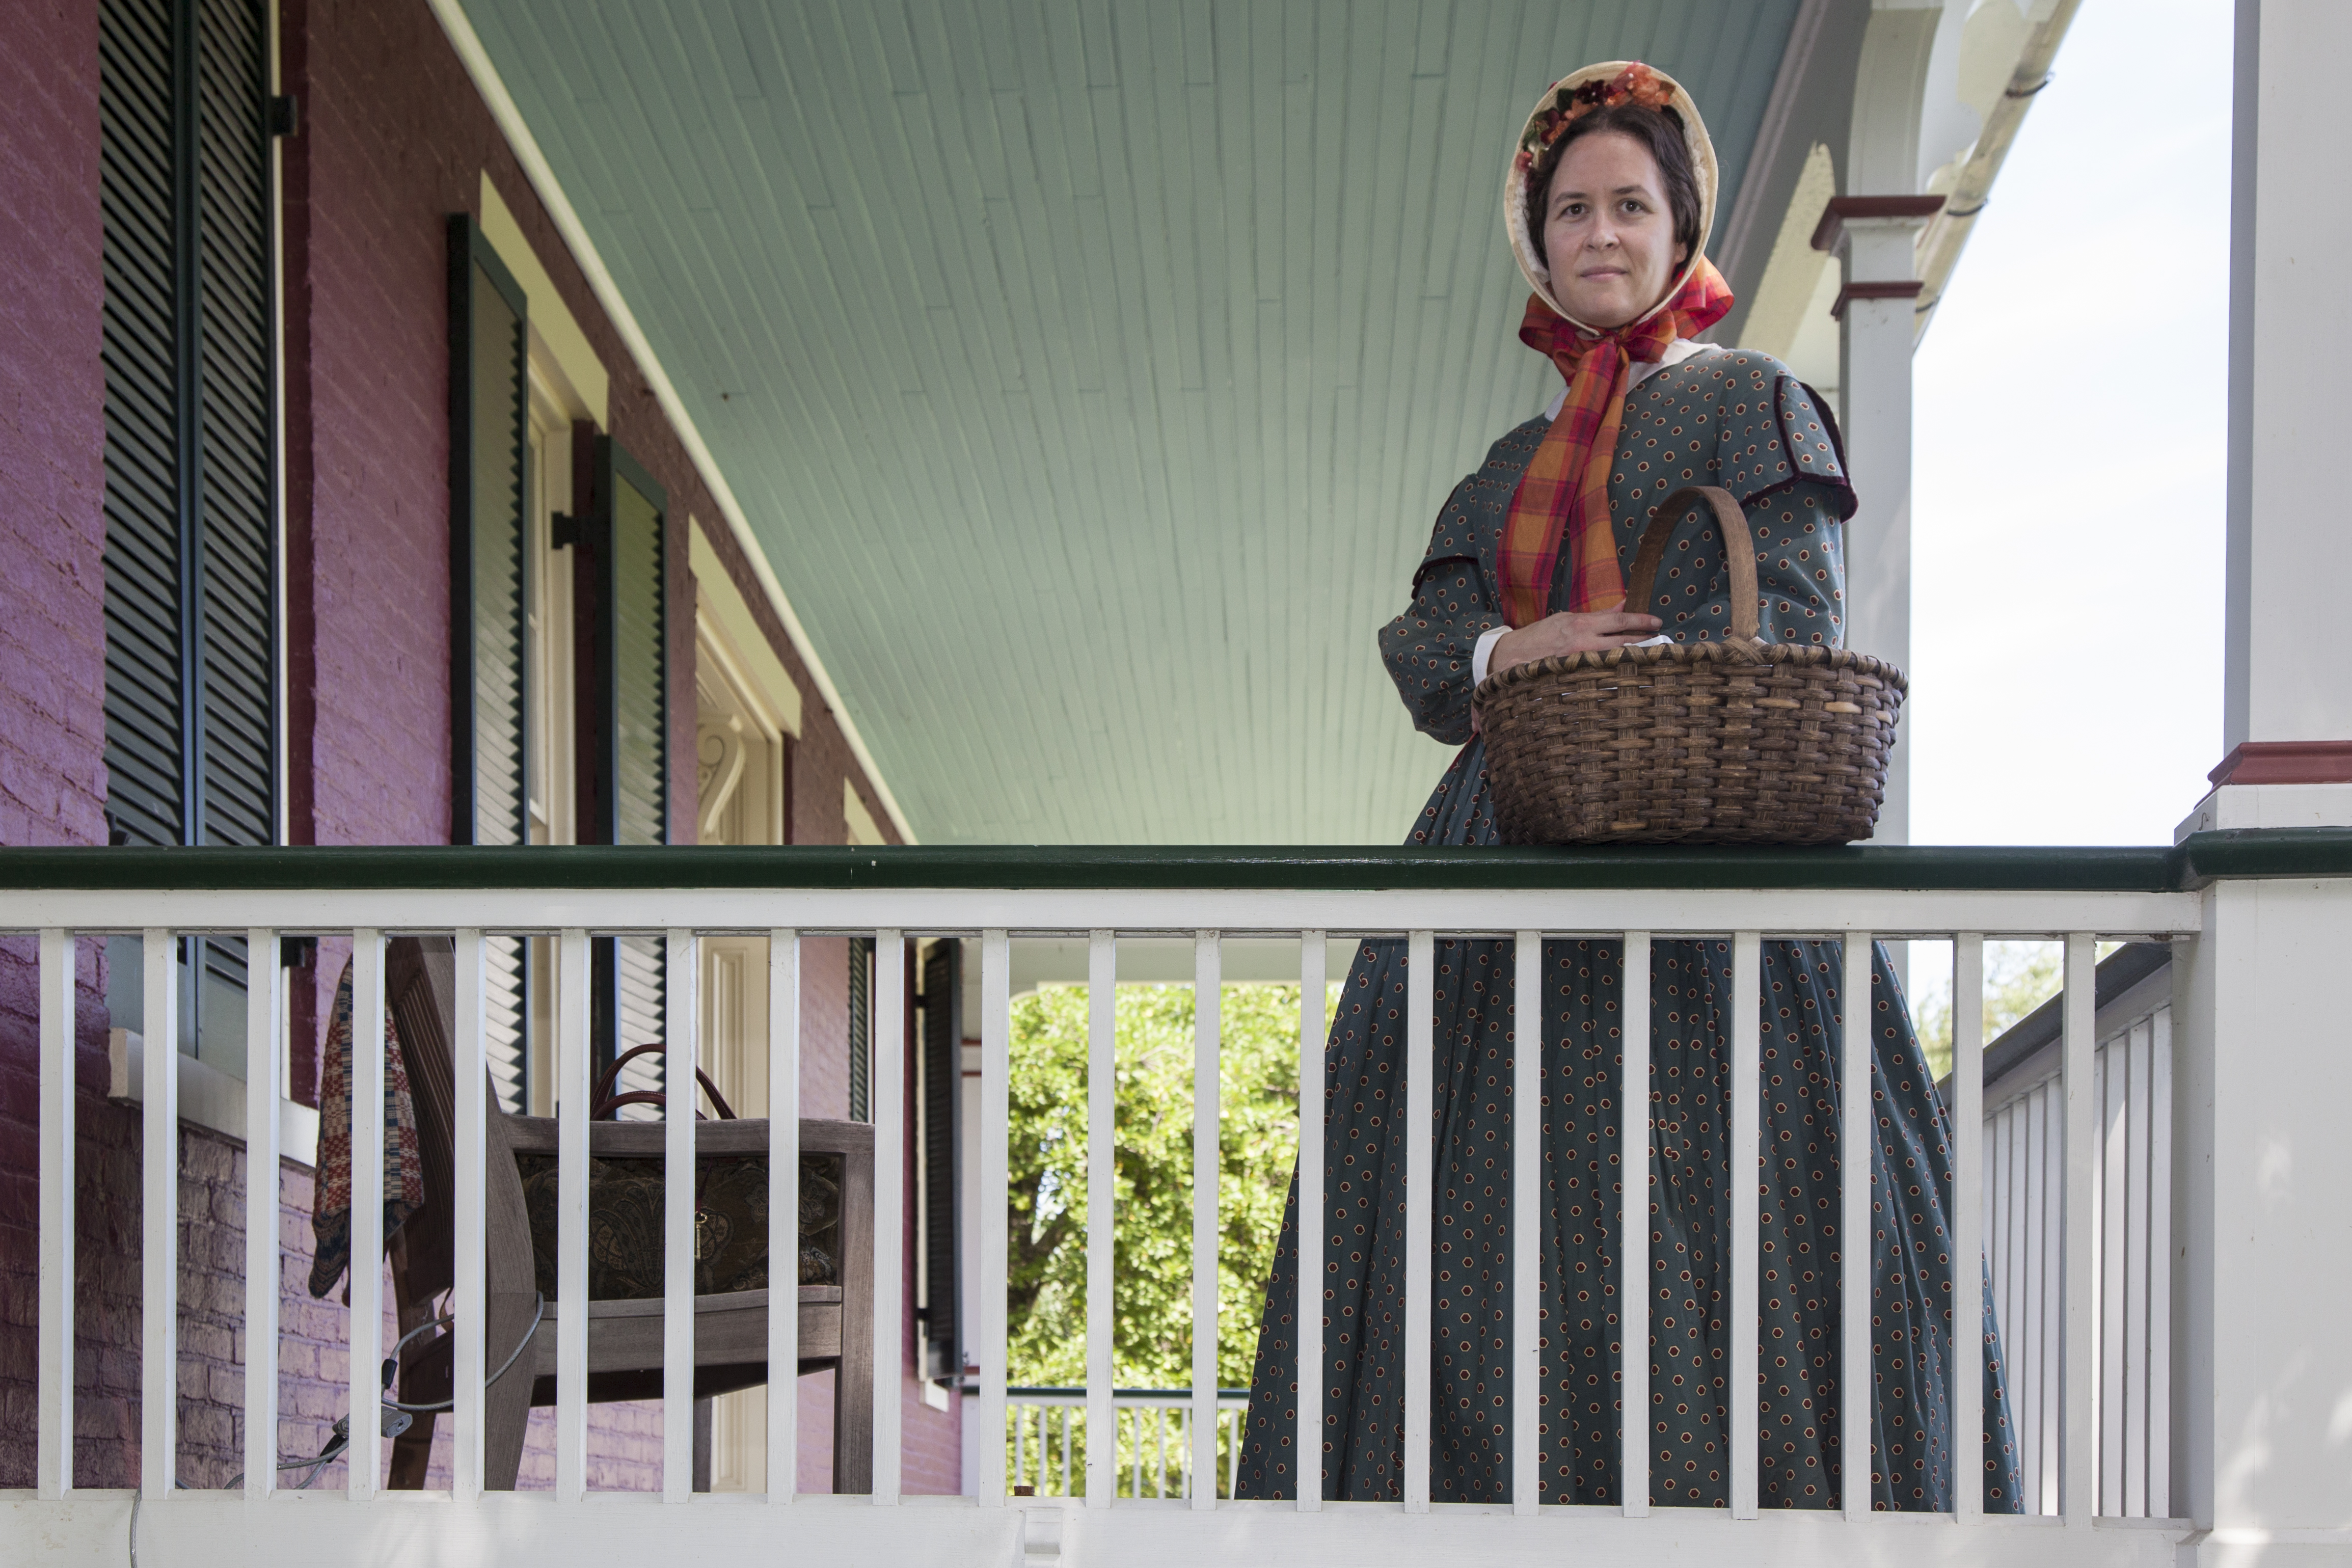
(1948, 234)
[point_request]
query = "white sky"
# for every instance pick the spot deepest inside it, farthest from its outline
(2067, 511)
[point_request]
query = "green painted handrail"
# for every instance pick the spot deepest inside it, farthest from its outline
(2204, 859)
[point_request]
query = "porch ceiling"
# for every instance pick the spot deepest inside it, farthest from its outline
(1091, 372)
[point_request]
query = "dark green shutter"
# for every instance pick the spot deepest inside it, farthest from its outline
(189, 347)
(490, 432)
(942, 1003)
(861, 1028)
(237, 566)
(629, 529)
(148, 628)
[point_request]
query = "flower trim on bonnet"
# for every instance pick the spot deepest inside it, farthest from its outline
(1602, 85)
(1636, 83)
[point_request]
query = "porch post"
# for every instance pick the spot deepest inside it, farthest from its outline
(2287, 707)
(2264, 1058)
(1876, 236)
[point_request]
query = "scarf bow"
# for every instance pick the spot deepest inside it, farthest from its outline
(1564, 494)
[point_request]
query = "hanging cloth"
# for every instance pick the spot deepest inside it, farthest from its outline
(1564, 495)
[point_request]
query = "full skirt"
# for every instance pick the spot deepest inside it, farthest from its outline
(1362, 1262)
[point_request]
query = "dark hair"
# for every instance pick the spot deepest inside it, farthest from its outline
(1659, 130)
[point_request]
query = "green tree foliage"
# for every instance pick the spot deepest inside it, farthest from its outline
(2019, 977)
(1257, 1147)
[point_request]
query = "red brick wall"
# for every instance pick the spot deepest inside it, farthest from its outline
(394, 138)
(52, 414)
(52, 693)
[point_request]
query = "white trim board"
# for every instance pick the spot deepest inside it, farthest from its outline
(209, 1098)
(725, 605)
(502, 104)
(586, 387)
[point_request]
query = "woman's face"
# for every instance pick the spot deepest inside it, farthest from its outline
(1609, 233)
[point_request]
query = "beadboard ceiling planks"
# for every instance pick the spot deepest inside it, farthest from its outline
(1092, 371)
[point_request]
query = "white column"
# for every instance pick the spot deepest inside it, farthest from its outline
(2262, 1067)
(1876, 236)
(2286, 708)
(2262, 1048)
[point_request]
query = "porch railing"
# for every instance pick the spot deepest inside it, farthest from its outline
(1146, 1422)
(1000, 896)
(2023, 1193)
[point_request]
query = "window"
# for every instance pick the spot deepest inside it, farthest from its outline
(189, 343)
(551, 710)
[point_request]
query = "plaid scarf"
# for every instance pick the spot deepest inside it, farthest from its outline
(404, 1163)
(1564, 491)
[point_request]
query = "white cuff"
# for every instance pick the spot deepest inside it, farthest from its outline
(1482, 653)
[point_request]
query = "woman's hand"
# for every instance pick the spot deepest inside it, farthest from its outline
(1564, 633)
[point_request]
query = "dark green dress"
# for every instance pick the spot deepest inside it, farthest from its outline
(1739, 420)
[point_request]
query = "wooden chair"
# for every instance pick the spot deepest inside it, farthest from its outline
(624, 1341)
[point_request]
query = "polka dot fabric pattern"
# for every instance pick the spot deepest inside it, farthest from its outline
(1473, 1233)
(1736, 419)
(1741, 421)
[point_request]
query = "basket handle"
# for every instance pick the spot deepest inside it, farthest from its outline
(1732, 522)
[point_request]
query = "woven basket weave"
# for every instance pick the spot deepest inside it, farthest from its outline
(1738, 741)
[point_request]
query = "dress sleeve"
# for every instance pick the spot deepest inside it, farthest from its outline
(1780, 453)
(1428, 649)
(1799, 565)
(1797, 518)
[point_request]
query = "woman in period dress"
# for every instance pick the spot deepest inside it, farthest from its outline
(1607, 204)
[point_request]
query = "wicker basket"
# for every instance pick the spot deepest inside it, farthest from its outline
(1738, 741)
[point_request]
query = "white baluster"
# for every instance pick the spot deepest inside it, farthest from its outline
(53, 1444)
(365, 1457)
(2077, 1434)
(1857, 1140)
(469, 1301)
(890, 1056)
(160, 1234)
(264, 1027)
(1313, 1225)
(783, 1213)
(572, 1084)
(1634, 1288)
(1526, 1230)
(681, 1026)
(1422, 954)
(2134, 1053)
(1102, 1066)
(1746, 1216)
(988, 1314)
(2160, 1257)
(1208, 990)
(1967, 1226)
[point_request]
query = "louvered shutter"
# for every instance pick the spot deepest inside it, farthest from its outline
(188, 343)
(236, 561)
(630, 533)
(149, 635)
(942, 1003)
(490, 427)
(861, 1028)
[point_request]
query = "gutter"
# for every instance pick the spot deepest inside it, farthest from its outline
(1948, 233)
